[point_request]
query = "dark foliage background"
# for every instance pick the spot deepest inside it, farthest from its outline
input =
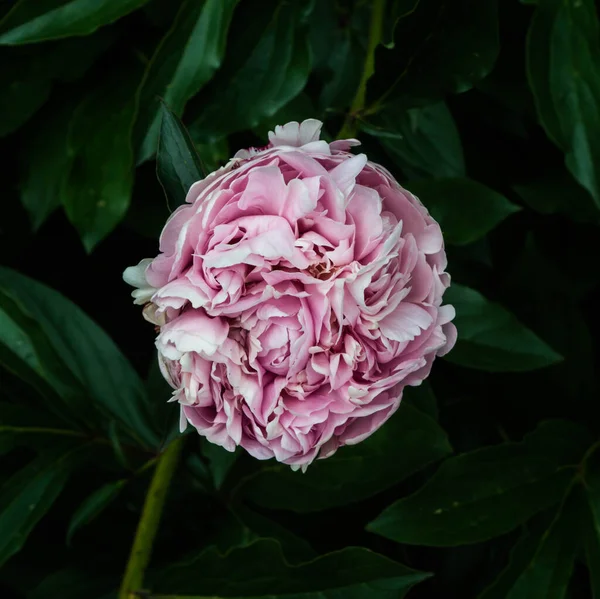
(486, 483)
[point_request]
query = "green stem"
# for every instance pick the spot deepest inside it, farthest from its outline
(141, 550)
(349, 128)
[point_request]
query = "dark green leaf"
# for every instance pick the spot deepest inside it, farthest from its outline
(32, 21)
(563, 53)
(406, 443)
(273, 70)
(550, 568)
(22, 93)
(488, 492)
(184, 61)
(97, 192)
(422, 398)
(558, 192)
(220, 461)
(491, 338)
(36, 428)
(423, 142)
(28, 495)
(439, 47)
(178, 166)
(295, 549)
(45, 165)
(260, 569)
(542, 561)
(89, 353)
(27, 352)
(465, 209)
(93, 506)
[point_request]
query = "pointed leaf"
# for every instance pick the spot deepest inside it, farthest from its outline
(423, 142)
(178, 165)
(563, 51)
(260, 569)
(406, 443)
(465, 209)
(93, 506)
(183, 62)
(97, 192)
(91, 355)
(491, 338)
(28, 495)
(273, 66)
(485, 493)
(32, 21)
(220, 461)
(438, 48)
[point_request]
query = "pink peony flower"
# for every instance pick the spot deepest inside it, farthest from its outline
(297, 292)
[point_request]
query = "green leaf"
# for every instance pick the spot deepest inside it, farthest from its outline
(32, 21)
(465, 209)
(563, 52)
(178, 165)
(542, 562)
(260, 569)
(558, 192)
(406, 443)
(272, 68)
(28, 495)
(186, 58)
(23, 93)
(295, 549)
(45, 165)
(220, 461)
(92, 357)
(439, 48)
(93, 506)
(485, 493)
(97, 192)
(21, 425)
(491, 338)
(27, 76)
(423, 142)
(27, 352)
(422, 398)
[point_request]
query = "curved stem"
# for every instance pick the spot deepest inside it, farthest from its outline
(349, 128)
(141, 550)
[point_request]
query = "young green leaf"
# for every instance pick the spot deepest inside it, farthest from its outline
(408, 442)
(178, 165)
(423, 142)
(272, 68)
(491, 338)
(261, 570)
(485, 493)
(93, 506)
(186, 58)
(31, 21)
(465, 209)
(92, 358)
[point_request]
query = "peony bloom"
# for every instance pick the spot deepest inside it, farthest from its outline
(297, 292)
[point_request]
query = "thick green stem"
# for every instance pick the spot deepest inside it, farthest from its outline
(358, 103)
(141, 550)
